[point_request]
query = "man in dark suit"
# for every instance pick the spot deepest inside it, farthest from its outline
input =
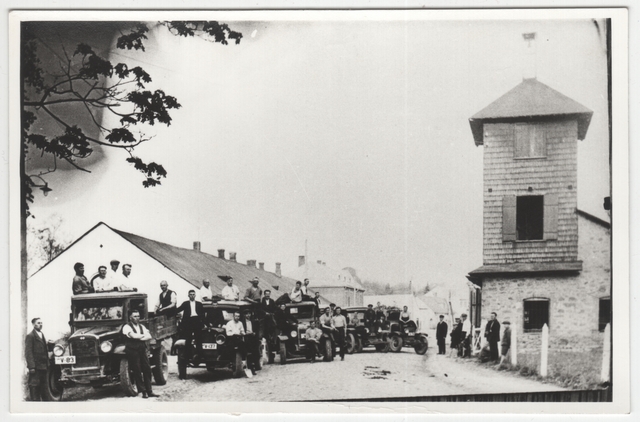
(492, 334)
(268, 304)
(37, 360)
(441, 335)
(192, 323)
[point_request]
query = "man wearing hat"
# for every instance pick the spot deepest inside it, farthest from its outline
(506, 341)
(441, 335)
(492, 334)
(369, 317)
(253, 293)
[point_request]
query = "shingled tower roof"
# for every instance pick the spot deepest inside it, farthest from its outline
(531, 100)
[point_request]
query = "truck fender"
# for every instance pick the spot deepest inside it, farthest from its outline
(180, 343)
(283, 338)
(119, 350)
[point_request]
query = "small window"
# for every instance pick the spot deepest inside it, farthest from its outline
(604, 313)
(536, 313)
(530, 218)
(530, 141)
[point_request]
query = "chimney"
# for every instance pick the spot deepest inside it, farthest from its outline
(261, 265)
(529, 62)
(278, 269)
(301, 259)
(251, 263)
(324, 263)
(319, 261)
(221, 253)
(232, 256)
(196, 246)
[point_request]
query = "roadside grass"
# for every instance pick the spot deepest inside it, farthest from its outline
(569, 369)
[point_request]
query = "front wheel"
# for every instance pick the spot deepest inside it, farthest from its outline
(421, 345)
(384, 348)
(182, 365)
(52, 391)
(352, 344)
(395, 343)
(126, 379)
(283, 353)
(161, 366)
(328, 351)
(238, 367)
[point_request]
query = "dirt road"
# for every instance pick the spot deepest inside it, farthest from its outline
(364, 375)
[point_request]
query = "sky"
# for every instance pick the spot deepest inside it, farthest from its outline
(351, 138)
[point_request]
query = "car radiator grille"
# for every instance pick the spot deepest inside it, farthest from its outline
(86, 353)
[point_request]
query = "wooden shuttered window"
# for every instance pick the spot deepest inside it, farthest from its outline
(551, 216)
(549, 220)
(509, 218)
(530, 141)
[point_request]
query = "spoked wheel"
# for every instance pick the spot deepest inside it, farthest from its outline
(283, 353)
(395, 343)
(352, 343)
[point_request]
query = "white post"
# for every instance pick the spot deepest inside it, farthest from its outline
(514, 343)
(544, 352)
(606, 354)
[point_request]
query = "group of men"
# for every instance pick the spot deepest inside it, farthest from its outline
(461, 337)
(104, 280)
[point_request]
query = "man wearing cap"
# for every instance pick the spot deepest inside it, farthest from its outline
(506, 341)
(492, 334)
(369, 317)
(167, 300)
(230, 292)
(206, 294)
(441, 335)
(80, 283)
(253, 293)
(296, 293)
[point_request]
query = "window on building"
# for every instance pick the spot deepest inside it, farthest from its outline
(536, 313)
(530, 141)
(604, 313)
(530, 217)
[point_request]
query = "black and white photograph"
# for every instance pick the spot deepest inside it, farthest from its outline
(254, 211)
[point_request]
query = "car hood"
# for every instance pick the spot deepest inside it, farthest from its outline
(99, 332)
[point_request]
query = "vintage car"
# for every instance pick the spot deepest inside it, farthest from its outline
(405, 334)
(292, 338)
(218, 350)
(360, 336)
(93, 354)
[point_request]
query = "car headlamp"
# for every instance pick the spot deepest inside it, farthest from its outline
(220, 339)
(294, 334)
(366, 330)
(106, 346)
(58, 350)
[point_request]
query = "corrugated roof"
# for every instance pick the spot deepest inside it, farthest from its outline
(194, 266)
(530, 100)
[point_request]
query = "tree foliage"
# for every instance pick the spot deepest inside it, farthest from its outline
(84, 86)
(45, 241)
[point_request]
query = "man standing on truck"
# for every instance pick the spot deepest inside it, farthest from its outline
(192, 323)
(253, 293)
(296, 293)
(206, 294)
(166, 301)
(230, 292)
(80, 283)
(35, 350)
(136, 335)
(99, 281)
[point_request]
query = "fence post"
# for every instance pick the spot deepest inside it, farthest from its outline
(544, 352)
(606, 354)
(514, 343)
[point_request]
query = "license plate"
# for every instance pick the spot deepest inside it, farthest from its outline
(412, 334)
(209, 346)
(65, 360)
(293, 310)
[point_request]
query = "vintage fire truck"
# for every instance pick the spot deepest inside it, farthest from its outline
(93, 354)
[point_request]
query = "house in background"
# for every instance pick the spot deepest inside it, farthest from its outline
(341, 287)
(459, 293)
(49, 289)
(544, 261)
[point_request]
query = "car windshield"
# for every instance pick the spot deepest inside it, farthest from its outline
(218, 317)
(97, 310)
(301, 311)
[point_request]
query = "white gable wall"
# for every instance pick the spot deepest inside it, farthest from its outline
(49, 290)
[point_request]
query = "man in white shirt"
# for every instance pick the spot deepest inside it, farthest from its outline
(127, 282)
(100, 282)
(296, 293)
(230, 292)
(340, 327)
(136, 336)
(206, 294)
(465, 337)
(304, 287)
(234, 327)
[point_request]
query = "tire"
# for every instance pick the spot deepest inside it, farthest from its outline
(421, 345)
(383, 348)
(283, 353)
(182, 365)
(328, 351)
(238, 369)
(161, 366)
(395, 343)
(52, 391)
(358, 345)
(259, 359)
(352, 344)
(126, 381)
